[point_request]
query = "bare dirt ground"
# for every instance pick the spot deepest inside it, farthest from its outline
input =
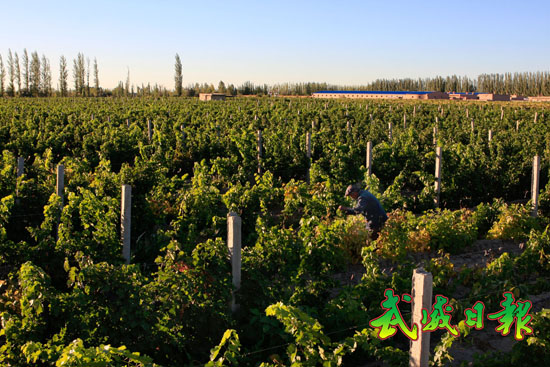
(477, 255)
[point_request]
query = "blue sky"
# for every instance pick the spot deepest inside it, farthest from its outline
(341, 42)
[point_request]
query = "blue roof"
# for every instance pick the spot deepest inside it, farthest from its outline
(370, 92)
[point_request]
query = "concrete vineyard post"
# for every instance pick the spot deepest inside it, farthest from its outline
(369, 158)
(20, 171)
(127, 123)
(59, 186)
(535, 119)
(467, 113)
(422, 283)
(405, 120)
(260, 152)
(414, 111)
(60, 182)
(126, 221)
(390, 130)
(20, 166)
(435, 136)
(308, 154)
(501, 114)
(490, 135)
(234, 246)
(535, 186)
(472, 124)
(438, 159)
(308, 145)
(517, 125)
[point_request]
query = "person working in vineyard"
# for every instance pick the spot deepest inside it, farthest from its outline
(367, 205)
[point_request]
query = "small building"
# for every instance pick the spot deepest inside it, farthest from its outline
(493, 97)
(380, 94)
(539, 99)
(426, 95)
(461, 96)
(211, 96)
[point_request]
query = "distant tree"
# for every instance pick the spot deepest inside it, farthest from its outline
(11, 74)
(119, 90)
(127, 86)
(96, 78)
(221, 87)
(2, 76)
(26, 70)
(35, 74)
(82, 76)
(18, 73)
(46, 77)
(231, 90)
(178, 78)
(247, 88)
(88, 77)
(63, 75)
(508, 83)
(79, 72)
(157, 90)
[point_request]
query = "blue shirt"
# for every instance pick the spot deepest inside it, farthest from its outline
(369, 206)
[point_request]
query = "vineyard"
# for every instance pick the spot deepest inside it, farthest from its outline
(311, 278)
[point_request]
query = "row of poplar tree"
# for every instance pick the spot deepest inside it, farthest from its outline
(30, 75)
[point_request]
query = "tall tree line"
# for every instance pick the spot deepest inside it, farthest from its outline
(31, 76)
(525, 84)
